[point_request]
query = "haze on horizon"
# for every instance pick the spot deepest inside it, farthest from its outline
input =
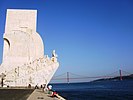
(91, 37)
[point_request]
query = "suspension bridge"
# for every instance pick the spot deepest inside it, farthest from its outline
(69, 77)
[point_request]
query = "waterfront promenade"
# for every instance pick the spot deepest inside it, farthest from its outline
(25, 94)
(15, 93)
(38, 94)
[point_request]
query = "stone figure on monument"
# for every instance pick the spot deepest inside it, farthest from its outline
(54, 56)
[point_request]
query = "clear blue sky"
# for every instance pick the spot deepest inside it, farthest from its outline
(91, 37)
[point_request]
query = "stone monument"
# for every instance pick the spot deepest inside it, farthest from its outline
(24, 61)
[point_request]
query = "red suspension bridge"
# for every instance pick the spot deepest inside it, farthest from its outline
(72, 77)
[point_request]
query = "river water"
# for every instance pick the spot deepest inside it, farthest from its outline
(100, 90)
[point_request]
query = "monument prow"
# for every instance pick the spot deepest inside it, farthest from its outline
(24, 61)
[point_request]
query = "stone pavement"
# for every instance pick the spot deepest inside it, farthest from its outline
(39, 95)
(15, 93)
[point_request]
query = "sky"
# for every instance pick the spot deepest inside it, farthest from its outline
(91, 37)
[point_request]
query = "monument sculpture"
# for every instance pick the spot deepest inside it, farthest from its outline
(24, 61)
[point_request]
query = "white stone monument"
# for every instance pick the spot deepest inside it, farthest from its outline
(24, 62)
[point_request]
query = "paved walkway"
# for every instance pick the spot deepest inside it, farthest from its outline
(15, 93)
(39, 95)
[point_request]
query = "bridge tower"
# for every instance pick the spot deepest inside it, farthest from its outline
(120, 75)
(68, 77)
